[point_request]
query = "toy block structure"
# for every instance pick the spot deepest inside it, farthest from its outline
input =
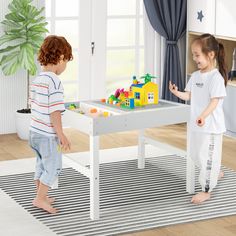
(139, 94)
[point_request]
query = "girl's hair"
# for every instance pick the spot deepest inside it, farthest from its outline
(208, 44)
(52, 49)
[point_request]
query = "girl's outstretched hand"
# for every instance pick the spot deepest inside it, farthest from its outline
(173, 88)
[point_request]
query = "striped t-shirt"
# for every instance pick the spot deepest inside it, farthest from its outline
(46, 97)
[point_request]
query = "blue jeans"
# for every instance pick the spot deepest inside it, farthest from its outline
(49, 157)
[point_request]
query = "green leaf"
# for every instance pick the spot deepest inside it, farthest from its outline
(18, 31)
(41, 24)
(26, 56)
(37, 38)
(38, 20)
(36, 44)
(9, 48)
(34, 12)
(12, 66)
(37, 28)
(11, 24)
(8, 57)
(6, 38)
(12, 7)
(33, 69)
(14, 17)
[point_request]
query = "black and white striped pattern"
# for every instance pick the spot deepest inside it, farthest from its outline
(131, 199)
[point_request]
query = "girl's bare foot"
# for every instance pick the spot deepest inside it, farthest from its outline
(200, 197)
(43, 204)
(221, 175)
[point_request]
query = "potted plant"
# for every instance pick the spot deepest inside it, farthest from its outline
(24, 29)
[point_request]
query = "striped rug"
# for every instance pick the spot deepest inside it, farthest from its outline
(131, 199)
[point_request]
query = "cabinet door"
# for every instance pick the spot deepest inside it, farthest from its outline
(230, 108)
(226, 18)
(201, 16)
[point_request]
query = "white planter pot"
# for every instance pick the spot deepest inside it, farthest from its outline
(22, 125)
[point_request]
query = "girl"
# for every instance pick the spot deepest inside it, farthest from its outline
(206, 89)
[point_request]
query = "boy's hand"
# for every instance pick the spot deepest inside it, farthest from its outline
(64, 142)
(173, 88)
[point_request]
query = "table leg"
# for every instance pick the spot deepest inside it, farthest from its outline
(141, 149)
(94, 178)
(190, 167)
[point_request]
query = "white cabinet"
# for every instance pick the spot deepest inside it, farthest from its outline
(217, 17)
(201, 16)
(230, 107)
(226, 18)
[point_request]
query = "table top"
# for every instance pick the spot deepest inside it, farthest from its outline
(161, 104)
(164, 113)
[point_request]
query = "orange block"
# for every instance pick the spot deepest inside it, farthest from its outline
(93, 110)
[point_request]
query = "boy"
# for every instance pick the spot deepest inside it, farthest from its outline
(46, 133)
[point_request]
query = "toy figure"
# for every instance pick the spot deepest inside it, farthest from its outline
(147, 78)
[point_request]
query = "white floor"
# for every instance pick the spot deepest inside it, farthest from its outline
(15, 221)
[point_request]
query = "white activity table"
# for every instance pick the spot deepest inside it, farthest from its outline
(165, 113)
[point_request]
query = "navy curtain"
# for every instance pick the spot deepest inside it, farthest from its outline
(168, 18)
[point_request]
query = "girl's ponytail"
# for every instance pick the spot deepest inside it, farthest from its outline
(221, 62)
(208, 44)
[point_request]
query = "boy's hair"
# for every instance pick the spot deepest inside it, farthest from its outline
(208, 44)
(52, 49)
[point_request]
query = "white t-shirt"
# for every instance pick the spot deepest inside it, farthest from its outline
(47, 96)
(203, 87)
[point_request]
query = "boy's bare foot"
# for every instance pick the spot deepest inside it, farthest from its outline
(50, 200)
(42, 204)
(200, 197)
(221, 175)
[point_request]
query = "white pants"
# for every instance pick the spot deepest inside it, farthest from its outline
(206, 151)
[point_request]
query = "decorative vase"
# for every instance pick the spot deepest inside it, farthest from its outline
(22, 125)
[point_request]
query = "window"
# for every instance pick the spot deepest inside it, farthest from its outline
(63, 19)
(137, 95)
(150, 97)
(116, 28)
(125, 43)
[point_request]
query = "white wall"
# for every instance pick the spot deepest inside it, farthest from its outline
(13, 92)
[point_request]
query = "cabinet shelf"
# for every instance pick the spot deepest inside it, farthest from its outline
(217, 36)
(232, 83)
